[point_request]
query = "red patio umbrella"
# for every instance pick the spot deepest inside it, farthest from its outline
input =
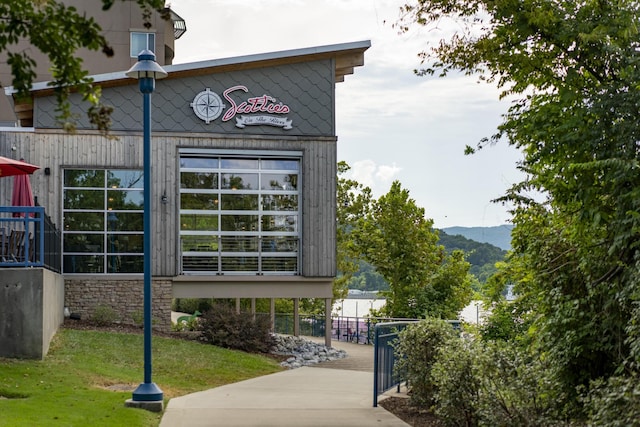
(9, 167)
(22, 194)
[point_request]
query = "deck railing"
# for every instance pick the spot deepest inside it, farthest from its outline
(28, 238)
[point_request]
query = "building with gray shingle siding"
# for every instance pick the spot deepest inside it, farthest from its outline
(243, 177)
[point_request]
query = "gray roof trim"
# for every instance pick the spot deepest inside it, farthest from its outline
(215, 63)
(260, 57)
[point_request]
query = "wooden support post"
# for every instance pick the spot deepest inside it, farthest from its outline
(296, 317)
(272, 313)
(327, 322)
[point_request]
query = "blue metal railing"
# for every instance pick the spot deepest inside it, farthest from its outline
(384, 358)
(358, 330)
(385, 376)
(28, 238)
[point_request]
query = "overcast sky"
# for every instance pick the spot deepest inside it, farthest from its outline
(391, 124)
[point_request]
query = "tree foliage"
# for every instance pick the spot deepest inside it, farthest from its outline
(572, 68)
(400, 242)
(353, 203)
(58, 31)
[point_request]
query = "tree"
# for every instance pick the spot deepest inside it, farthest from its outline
(59, 31)
(572, 67)
(353, 204)
(402, 245)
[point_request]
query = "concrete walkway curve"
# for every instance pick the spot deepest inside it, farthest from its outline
(336, 393)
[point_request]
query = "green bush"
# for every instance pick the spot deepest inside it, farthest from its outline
(514, 389)
(223, 327)
(191, 305)
(614, 403)
(416, 352)
(469, 382)
(504, 323)
(103, 315)
(456, 383)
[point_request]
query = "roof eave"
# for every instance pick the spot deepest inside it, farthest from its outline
(347, 56)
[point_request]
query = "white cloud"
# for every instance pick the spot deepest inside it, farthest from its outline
(377, 177)
(387, 173)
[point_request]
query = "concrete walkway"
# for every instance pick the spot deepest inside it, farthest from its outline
(336, 393)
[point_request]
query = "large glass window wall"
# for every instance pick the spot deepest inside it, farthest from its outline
(103, 221)
(239, 214)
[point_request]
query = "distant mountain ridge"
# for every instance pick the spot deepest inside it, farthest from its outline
(499, 236)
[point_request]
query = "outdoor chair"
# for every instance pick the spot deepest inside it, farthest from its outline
(16, 246)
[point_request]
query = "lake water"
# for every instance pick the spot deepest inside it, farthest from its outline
(356, 307)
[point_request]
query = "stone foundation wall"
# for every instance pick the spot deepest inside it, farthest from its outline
(89, 297)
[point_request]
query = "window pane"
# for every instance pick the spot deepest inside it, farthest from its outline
(83, 178)
(279, 264)
(280, 164)
(83, 242)
(136, 243)
(125, 264)
(199, 222)
(239, 222)
(279, 203)
(239, 163)
(83, 264)
(138, 43)
(199, 201)
(84, 221)
(205, 180)
(198, 163)
(199, 243)
(84, 199)
(279, 244)
(239, 202)
(125, 243)
(123, 221)
(125, 179)
(287, 223)
(240, 181)
(239, 243)
(195, 263)
(125, 199)
(280, 181)
(239, 264)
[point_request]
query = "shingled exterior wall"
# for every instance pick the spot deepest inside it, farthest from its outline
(124, 297)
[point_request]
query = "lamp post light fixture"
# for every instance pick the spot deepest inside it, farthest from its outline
(148, 395)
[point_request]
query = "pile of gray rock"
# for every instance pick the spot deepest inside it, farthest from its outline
(303, 351)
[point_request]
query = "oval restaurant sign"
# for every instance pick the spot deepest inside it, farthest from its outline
(262, 110)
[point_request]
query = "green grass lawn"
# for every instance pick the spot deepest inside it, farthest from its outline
(70, 387)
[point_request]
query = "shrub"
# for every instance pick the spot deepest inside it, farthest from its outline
(514, 389)
(456, 383)
(416, 352)
(103, 315)
(191, 305)
(614, 403)
(138, 318)
(222, 326)
(504, 323)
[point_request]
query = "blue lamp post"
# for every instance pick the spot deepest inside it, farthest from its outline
(147, 70)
